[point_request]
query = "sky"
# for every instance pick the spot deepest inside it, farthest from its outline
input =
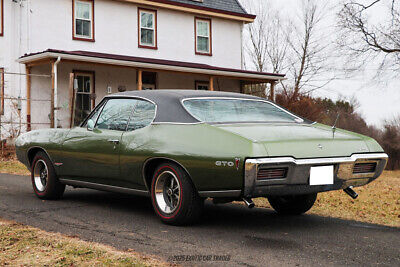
(378, 101)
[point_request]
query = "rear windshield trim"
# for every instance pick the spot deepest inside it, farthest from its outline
(301, 120)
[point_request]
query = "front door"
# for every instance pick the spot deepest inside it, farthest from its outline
(92, 155)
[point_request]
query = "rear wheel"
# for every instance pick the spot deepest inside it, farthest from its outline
(292, 205)
(174, 197)
(44, 180)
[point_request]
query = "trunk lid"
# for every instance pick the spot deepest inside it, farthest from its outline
(299, 140)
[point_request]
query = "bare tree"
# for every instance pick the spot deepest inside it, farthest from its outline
(310, 50)
(268, 44)
(293, 45)
(368, 37)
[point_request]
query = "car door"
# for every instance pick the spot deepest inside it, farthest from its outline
(137, 144)
(91, 152)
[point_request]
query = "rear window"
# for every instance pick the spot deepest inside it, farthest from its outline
(221, 110)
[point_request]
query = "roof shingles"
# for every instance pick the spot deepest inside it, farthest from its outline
(225, 5)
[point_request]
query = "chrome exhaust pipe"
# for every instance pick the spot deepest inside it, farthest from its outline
(349, 190)
(249, 203)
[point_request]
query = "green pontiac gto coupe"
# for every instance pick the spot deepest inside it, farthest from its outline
(180, 147)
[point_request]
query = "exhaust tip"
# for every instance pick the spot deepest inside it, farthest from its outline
(249, 202)
(349, 190)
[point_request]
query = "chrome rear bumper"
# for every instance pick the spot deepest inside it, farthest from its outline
(296, 180)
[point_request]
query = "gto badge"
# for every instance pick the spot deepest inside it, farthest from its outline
(223, 163)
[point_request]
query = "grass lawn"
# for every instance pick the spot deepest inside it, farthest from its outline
(378, 202)
(13, 167)
(22, 245)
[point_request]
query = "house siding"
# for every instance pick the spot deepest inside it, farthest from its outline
(116, 33)
(48, 24)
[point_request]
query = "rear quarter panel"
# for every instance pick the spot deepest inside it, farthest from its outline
(196, 147)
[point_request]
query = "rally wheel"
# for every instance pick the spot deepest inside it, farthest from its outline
(44, 179)
(174, 197)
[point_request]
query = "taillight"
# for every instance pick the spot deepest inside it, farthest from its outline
(272, 173)
(369, 167)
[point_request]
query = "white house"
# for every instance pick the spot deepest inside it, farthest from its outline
(59, 58)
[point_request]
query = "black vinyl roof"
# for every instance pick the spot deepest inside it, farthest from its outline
(169, 105)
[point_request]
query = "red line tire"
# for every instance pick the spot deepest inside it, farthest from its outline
(174, 197)
(292, 205)
(44, 179)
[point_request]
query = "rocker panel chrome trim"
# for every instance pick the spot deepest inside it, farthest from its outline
(103, 187)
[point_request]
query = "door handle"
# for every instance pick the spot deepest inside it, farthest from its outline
(115, 142)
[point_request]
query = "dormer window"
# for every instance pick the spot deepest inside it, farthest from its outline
(83, 23)
(147, 28)
(203, 43)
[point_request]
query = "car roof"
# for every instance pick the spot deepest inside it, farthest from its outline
(158, 95)
(169, 102)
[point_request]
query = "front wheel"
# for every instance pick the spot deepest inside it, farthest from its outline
(174, 197)
(292, 205)
(44, 179)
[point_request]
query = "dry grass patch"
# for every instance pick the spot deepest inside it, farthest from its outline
(378, 202)
(22, 245)
(13, 166)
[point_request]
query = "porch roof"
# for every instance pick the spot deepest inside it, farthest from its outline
(149, 63)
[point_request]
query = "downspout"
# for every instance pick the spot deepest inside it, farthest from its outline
(241, 47)
(56, 90)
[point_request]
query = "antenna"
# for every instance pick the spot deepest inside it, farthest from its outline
(334, 125)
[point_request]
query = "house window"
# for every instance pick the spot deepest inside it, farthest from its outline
(149, 80)
(203, 36)
(147, 24)
(202, 85)
(84, 96)
(1, 91)
(1, 17)
(83, 12)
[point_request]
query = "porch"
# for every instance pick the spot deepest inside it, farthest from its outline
(79, 80)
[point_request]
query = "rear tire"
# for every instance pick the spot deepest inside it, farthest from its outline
(174, 197)
(292, 205)
(44, 179)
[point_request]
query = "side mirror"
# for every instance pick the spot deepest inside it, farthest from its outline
(90, 125)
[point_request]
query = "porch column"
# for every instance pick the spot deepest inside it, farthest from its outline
(139, 80)
(28, 98)
(71, 90)
(272, 91)
(211, 83)
(53, 81)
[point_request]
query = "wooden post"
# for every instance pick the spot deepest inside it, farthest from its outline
(272, 92)
(211, 83)
(2, 85)
(28, 98)
(71, 90)
(52, 96)
(139, 80)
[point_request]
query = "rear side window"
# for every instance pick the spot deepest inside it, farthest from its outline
(115, 114)
(142, 115)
